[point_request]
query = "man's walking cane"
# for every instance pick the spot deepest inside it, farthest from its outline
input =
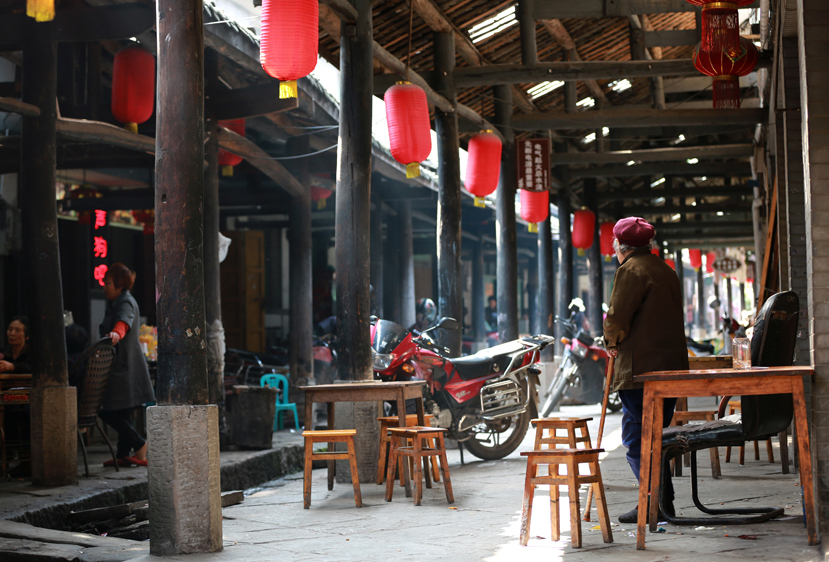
(611, 361)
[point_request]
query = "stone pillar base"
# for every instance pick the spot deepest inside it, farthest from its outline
(361, 416)
(184, 480)
(54, 430)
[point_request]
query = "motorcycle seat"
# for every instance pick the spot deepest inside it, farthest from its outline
(487, 361)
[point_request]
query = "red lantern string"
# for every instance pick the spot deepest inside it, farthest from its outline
(695, 257)
(726, 70)
(535, 205)
(227, 159)
(483, 167)
(584, 225)
(606, 240)
(133, 86)
(407, 114)
(289, 41)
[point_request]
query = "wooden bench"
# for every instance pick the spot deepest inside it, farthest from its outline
(330, 436)
(419, 451)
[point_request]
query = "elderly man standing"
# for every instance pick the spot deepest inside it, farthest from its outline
(644, 331)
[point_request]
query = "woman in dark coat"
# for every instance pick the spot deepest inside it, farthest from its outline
(15, 357)
(129, 383)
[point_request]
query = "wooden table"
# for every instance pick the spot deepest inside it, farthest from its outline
(368, 391)
(717, 382)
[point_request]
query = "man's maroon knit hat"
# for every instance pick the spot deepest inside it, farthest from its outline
(634, 231)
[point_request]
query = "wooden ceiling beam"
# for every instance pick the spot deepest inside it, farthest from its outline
(12, 105)
(634, 118)
(709, 169)
(649, 193)
(252, 101)
(672, 154)
(553, 9)
(560, 35)
(261, 160)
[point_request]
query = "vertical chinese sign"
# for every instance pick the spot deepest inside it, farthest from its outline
(99, 247)
(533, 164)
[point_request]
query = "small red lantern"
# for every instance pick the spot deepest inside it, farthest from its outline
(145, 217)
(41, 10)
(726, 71)
(695, 257)
(671, 262)
(133, 86)
(227, 159)
(710, 258)
(319, 195)
(82, 192)
(289, 41)
(606, 239)
(721, 24)
(483, 167)
(410, 134)
(535, 205)
(584, 225)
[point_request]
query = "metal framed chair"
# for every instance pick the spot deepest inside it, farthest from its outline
(96, 362)
(280, 382)
(772, 345)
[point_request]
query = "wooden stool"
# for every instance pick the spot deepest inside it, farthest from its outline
(419, 437)
(552, 438)
(330, 436)
(733, 408)
(681, 417)
(571, 458)
(392, 421)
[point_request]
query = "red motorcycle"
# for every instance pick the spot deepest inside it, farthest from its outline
(485, 400)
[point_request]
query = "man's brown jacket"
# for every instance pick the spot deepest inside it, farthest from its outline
(644, 321)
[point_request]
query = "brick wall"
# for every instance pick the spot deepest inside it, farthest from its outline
(813, 54)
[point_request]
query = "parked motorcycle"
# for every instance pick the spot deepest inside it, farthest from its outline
(485, 400)
(581, 374)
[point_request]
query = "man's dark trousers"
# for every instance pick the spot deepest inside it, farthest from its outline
(632, 432)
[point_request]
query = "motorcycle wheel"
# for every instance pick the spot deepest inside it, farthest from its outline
(614, 403)
(496, 439)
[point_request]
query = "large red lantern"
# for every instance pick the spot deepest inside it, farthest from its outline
(584, 225)
(319, 195)
(410, 134)
(535, 205)
(483, 166)
(133, 86)
(41, 10)
(695, 258)
(726, 71)
(606, 239)
(710, 258)
(289, 41)
(227, 159)
(721, 25)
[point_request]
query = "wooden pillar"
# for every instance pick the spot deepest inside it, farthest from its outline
(392, 290)
(680, 272)
(477, 305)
(546, 284)
(405, 274)
(53, 402)
(184, 481)
(353, 196)
(526, 22)
(595, 290)
(450, 285)
(532, 295)
(377, 256)
(212, 276)
(702, 306)
(565, 244)
(729, 297)
(505, 236)
(301, 347)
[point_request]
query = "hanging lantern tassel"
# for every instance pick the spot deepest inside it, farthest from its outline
(532, 227)
(480, 202)
(721, 28)
(321, 204)
(608, 259)
(227, 171)
(580, 252)
(413, 170)
(726, 92)
(41, 10)
(287, 89)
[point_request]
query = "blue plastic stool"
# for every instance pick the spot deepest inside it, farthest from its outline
(280, 382)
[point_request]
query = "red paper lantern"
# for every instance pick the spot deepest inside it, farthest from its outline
(695, 257)
(289, 41)
(319, 195)
(483, 167)
(410, 134)
(606, 239)
(655, 251)
(584, 225)
(535, 205)
(721, 25)
(133, 86)
(671, 262)
(726, 71)
(147, 218)
(710, 258)
(227, 159)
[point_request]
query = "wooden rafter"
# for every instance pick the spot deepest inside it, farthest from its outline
(560, 35)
